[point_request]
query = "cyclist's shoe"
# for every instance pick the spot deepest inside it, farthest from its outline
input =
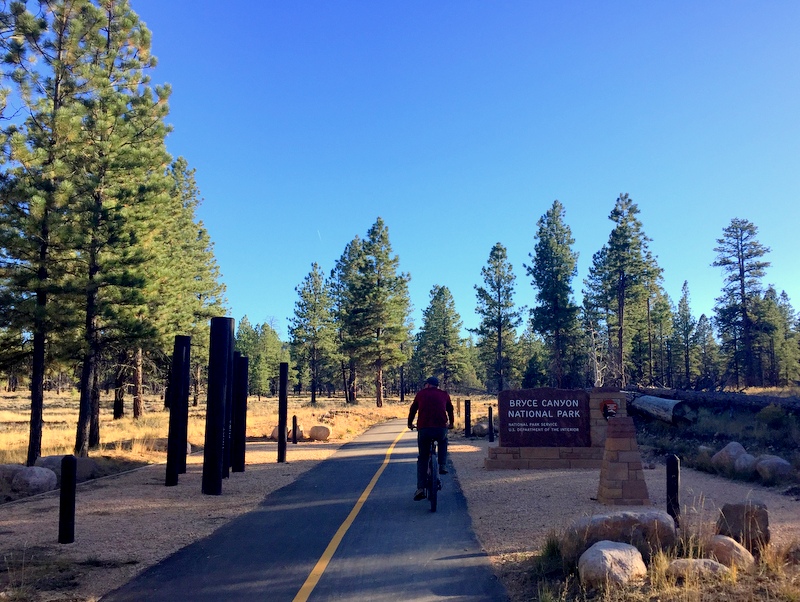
(419, 495)
(442, 470)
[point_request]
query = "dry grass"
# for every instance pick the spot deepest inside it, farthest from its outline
(549, 576)
(126, 442)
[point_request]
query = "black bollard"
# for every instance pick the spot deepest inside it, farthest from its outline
(66, 513)
(239, 420)
(467, 418)
(219, 362)
(227, 439)
(179, 410)
(283, 408)
(491, 426)
(674, 488)
(294, 429)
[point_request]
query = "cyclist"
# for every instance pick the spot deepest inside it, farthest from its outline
(435, 408)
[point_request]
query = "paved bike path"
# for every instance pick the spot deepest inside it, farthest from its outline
(395, 549)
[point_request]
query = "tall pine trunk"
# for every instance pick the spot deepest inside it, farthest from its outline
(138, 402)
(379, 385)
(119, 386)
(197, 374)
(94, 422)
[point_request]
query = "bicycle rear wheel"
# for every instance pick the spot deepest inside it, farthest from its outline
(433, 480)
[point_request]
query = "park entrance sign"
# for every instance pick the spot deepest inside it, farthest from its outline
(554, 428)
(544, 418)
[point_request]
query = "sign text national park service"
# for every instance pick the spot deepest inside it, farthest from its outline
(544, 418)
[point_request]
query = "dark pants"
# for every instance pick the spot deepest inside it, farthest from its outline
(424, 437)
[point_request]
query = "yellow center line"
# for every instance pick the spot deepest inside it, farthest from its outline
(324, 560)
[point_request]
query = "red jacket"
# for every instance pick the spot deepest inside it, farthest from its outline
(434, 408)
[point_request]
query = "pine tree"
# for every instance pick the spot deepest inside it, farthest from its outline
(739, 255)
(345, 301)
(628, 268)
(379, 323)
(499, 316)
(120, 188)
(685, 326)
(553, 268)
(311, 331)
(41, 53)
(708, 351)
(439, 351)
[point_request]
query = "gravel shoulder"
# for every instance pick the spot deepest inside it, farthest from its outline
(131, 521)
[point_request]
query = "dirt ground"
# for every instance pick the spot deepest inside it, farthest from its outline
(130, 521)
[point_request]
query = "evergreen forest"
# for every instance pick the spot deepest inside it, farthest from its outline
(103, 260)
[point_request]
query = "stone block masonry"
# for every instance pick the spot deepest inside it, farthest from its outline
(621, 476)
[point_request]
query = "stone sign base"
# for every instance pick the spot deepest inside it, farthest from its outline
(501, 457)
(621, 476)
(544, 457)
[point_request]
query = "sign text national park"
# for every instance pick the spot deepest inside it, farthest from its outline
(544, 418)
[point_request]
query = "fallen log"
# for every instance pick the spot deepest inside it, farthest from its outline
(673, 411)
(719, 401)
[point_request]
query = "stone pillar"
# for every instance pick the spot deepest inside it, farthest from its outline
(621, 476)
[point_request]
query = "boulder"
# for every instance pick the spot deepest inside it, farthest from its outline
(274, 435)
(480, 429)
(746, 522)
(7, 474)
(773, 469)
(319, 432)
(647, 530)
(793, 554)
(34, 479)
(300, 433)
(730, 552)
(683, 568)
(744, 466)
(86, 467)
(610, 562)
(723, 461)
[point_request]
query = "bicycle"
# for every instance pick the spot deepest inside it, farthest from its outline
(432, 481)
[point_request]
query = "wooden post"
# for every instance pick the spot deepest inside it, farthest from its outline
(66, 511)
(467, 418)
(674, 488)
(283, 408)
(239, 419)
(219, 363)
(179, 410)
(491, 426)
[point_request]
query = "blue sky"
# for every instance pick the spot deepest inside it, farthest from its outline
(460, 122)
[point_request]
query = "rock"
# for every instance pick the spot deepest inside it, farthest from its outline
(705, 450)
(773, 469)
(610, 562)
(480, 429)
(723, 461)
(300, 433)
(647, 530)
(34, 479)
(86, 467)
(746, 522)
(319, 432)
(729, 552)
(793, 554)
(274, 435)
(744, 466)
(696, 567)
(7, 474)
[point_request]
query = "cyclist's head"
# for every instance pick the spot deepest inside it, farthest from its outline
(432, 381)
